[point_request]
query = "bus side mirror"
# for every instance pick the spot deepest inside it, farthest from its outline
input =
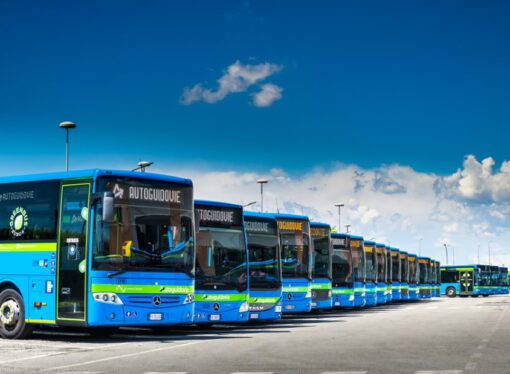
(108, 211)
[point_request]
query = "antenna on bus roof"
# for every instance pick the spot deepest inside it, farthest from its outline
(142, 165)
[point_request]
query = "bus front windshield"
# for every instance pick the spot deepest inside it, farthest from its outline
(358, 264)
(389, 267)
(423, 273)
(381, 260)
(152, 227)
(370, 266)
(396, 269)
(265, 269)
(342, 265)
(295, 254)
(412, 271)
(221, 260)
(404, 266)
(321, 263)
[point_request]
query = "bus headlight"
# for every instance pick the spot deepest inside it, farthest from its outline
(278, 309)
(363, 293)
(330, 293)
(351, 298)
(189, 299)
(244, 308)
(107, 298)
(308, 295)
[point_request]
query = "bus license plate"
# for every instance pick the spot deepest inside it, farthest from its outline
(155, 317)
(254, 316)
(314, 305)
(215, 317)
(289, 307)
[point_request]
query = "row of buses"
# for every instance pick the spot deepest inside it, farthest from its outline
(474, 280)
(103, 249)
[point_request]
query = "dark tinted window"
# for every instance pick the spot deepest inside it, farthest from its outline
(449, 277)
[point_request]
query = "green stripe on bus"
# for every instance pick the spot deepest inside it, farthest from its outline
(264, 300)
(359, 290)
(142, 289)
(343, 292)
(296, 289)
(28, 247)
(221, 297)
(321, 286)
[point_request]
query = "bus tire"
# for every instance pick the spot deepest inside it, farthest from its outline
(451, 292)
(485, 295)
(12, 316)
(103, 332)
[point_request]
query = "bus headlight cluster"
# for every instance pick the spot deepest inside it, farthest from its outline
(278, 309)
(243, 308)
(308, 295)
(330, 293)
(351, 298)
(107, 298)
(189, 299)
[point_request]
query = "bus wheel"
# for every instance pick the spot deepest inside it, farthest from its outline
(485, 295)
(450, 291)
(102, 332)
(12, 316)
(475, 295)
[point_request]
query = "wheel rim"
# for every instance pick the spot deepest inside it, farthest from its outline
(450, 292)
(10, 312)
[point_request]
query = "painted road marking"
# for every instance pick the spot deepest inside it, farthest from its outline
(344, 372)
(112, 358)
(31, 358)
(439, 372)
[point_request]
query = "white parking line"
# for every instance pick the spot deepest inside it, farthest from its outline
(439, 372)
(252, 372)
(31, 358)
(344, 372)
(111, 358)
(166, 372)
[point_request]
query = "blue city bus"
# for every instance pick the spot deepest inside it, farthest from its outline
(265, 301)
(437, 279)
(322, 256)
(380, 250)
(425, 275)
(296, 263)
(414, 277)
(359, 270)
(221, 278)
(464, 280)
(370, 273)
(342, 271)
(404, 276)
(96, 248)
(396, 274)
(503, 281)
(389, 274)
(495, 276)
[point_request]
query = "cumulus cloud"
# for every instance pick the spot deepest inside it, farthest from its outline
(267, 95)
(395, 204)
(238, 78)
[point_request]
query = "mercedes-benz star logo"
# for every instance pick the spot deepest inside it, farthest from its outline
(216, 307)
(289, 296)
(156, 301)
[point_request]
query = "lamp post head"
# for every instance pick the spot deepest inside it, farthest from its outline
(67, 125)
(339, 205)
(262, 181)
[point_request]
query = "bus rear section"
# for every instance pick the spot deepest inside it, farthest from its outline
(359, 268)
(102, 249)
(380, 250)
(404, 280)
(371, 273)
(396, 272)
(221, 281)
(414, 277)
(322, 297)
(265, 266)
(296, 267)
(389, 274)
(342, 271)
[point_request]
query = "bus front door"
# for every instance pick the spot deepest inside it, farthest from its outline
(466, 282)
(72, 254)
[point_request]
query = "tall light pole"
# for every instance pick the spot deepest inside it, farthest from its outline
(67, 126)
(262, 182)
(347, 227)
(339, 205)
(446, 249)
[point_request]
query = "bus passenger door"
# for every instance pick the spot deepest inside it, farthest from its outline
(72, 253)
(466, 282)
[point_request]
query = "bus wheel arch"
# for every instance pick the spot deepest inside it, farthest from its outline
(12, 314)
(451, 292)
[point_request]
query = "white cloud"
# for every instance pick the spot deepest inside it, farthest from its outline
(238, 78)
(268, 95)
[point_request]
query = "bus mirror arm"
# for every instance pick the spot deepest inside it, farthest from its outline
(108, 210)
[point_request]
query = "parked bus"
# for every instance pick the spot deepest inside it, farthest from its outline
(380, 250)
(437, 279)
(404, 276)
(296, 263)
(495, 276)
(359, 269)
(97, 249)
(221, 280)
(503, 281)
(396, 274)
(371, 273)
(463, 280)
(389, 274)
(414, 277)
(265, 284)
(322, 296)
(342, 271)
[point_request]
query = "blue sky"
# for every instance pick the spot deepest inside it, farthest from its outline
(415, 83)
(399, 109)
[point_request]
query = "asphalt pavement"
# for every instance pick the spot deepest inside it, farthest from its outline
(462, 335)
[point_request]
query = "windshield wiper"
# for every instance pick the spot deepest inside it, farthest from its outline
(114, 274)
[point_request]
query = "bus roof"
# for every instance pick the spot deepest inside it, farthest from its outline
(319, 224)
(93, 173)
(266, 216)
(339, 235)
(290, 216)
(411, 254)
(217, 204)
(356, 237)
(380, 245)
(403, 253)
(393, 249)
(369, 242)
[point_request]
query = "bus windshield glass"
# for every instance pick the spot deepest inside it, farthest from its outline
(389, 267)
(395, 264)
(423, 272)
(412, 270)
(404, 266)
(264, 255)
(321, 244)
(381, 260)
(358, 260)
(295, 254)
(342, 263)
(152, 228)
(370, 264)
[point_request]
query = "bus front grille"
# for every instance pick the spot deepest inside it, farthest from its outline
(149, 300)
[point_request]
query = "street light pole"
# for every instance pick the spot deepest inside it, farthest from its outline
(67, 125)
(446, 249)
(262, 182)
(339, 205)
